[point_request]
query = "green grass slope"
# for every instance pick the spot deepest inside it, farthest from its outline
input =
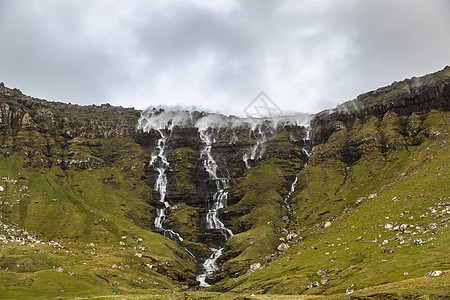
(368, 219)
(77, 232)
(75, 218)
(372, 210)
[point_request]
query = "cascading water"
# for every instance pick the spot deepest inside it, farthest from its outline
(218, 202)
(291, 191)
(160, 164)
(261, 138)
(209, 266)
(162, 123)
(306, 140)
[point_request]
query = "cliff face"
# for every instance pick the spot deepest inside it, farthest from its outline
(58, 134)
(148, 199)
(105, 121)
(207, 154)
(74, 178)
(415, 95)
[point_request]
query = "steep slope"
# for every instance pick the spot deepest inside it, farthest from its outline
(371, 207)
(212, 168)
(380, 219)
(75, 211)
(98, 200)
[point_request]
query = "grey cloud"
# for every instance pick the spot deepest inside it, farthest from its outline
(307, 55)
(45, 54)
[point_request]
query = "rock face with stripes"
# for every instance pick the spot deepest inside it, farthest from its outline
(207, 154)
(226, 194)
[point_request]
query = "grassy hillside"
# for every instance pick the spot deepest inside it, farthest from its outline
(75, 216)
(376, 217)
(90, 224)
(368, 219)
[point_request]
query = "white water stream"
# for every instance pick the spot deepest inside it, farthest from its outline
(291, 191)
(210, 266)
(160, 164)
(164, 121)
(218, 202)
(305, 152)
(261, 137)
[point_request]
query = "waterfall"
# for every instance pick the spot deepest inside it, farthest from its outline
(209, 266)
(261, 137)
(160, 164)
(214, 205)
(307, 156)
(291, 191)
(163, 122)
(208, 126)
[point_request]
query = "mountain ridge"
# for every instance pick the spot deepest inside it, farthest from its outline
(87, 171)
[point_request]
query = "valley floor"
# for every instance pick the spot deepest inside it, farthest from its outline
(415, 288)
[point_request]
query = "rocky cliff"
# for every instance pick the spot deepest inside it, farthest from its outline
(118, 200)
(415, 95)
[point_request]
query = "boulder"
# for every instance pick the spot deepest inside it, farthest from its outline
(433, 274)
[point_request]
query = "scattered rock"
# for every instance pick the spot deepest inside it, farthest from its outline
(142, 248)
(311, 284)
(59, 269)
(349, 291)
(389, 250)
(291, 236)
(283, 247)
(419, 242)
(433, 273)
(432, 226)
(327, 224)
(254, 267)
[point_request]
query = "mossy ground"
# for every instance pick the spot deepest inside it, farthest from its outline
(392, 185)
(96, 215)
(370, 213)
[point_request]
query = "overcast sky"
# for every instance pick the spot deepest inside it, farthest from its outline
(219, 55)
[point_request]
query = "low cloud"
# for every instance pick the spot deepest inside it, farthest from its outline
(307, 56)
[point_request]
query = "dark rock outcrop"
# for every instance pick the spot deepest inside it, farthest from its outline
(53, 133)
(415, 95)
(105, 121)
(48, 134)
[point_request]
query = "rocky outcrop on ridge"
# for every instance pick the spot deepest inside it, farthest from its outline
(262, 162)
(415, 95)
